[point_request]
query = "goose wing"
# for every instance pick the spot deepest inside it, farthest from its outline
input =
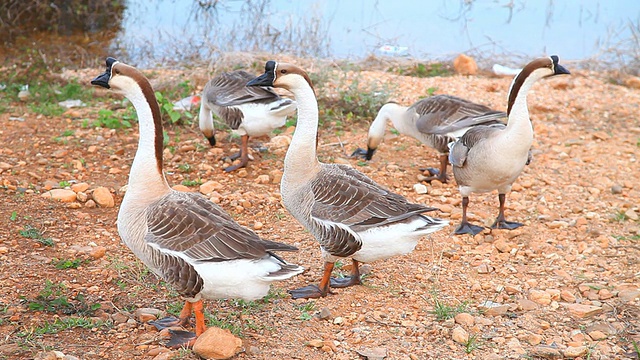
(451, 113)
(229, 89)
(190, 224)
(346, 201)
(473, 137)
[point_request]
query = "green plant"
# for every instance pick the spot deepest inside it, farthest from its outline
(46, 108)
(106, 118)
(185, 168)
(445, 311)
(51, 299)
(357, 101)
(306, 310)
(424, 70)
(34, 233)
(471, 344)
(62, 324)
(13, 216)
(64, 184)
(64, 264)
(166, 109)
(619, 216)
(195, 182)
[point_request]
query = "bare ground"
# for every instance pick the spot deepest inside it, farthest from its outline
(579, 200)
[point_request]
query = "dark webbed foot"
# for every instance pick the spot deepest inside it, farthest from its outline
(359, 153)
(434, 174)
(468, 228)
(308, 292)
(181, 338)
(169, 321)
(504, 224)
(345, 282)
(233, 157)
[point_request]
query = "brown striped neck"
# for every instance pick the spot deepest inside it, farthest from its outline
(516, 87)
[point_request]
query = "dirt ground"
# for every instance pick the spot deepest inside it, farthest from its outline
(566, 285)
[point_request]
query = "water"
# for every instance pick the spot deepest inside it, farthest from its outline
(178, 30)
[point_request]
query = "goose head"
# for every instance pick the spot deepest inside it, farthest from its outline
(121, 78)
(282, 75)
(533, 71)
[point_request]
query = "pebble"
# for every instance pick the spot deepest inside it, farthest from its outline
(464, 319)
(258, 225)
(377, 353)
(316, 343)
(210, 186)
(527, 305)
(567, 296)
(465, 65)
(574, 351)
(90, 204)
(597, 335)
(420, 188)
(628, 295)
(324, 313)
(216, 343)
(263, 179)
(80, 187)
(631, 214)
(503, 246)
(616, 189)
(82, 197)
(460, 335)
(546, 352)
(102, 196)
(180, 187)
(97, 252)
(62, 195)
(540, 297)
(533, 339)
(583, 311)
(147, 314)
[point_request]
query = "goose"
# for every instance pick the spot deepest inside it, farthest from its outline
(348, 213)
(248, 111)
(420, 119)
(184, 238)
(488, 158)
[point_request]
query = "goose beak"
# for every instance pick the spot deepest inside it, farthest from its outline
(265, 79)
(559, 69)
(102, 80)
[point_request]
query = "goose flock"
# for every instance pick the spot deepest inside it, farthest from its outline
(196, 247)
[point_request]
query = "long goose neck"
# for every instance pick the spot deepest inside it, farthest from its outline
(390, 111)
(146, 175)
(301, 156)
(517, 109)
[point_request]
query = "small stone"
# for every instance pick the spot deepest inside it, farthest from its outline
(628, 295)
(485, 268)
(147, 314)
(616, 189)
(597, 335)
(80, 187)
(216, 343)
(567, 296)
(263, 179)
(533, 339)
(210, 186)
(605, 294)
(546, 352)
(540, 297)
(276, 176)
(180, 187)
(575, 351)
(503, 246)
(98, 252)
(102, 196)
(90, 204)
(119, 318)
(338, 320)
(465, 65)
(460, 335)
(527, 305)
(61, 195)
(316, 343)
(420, 188)
(324, 313)
(583, 311)
(258, 225)
(3, 250)
(280, 141)
(82, 197)
(631, 214)
(464, 319)
(377, 353)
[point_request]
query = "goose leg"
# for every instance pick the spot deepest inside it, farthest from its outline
(501, 223)
(244, 155)
(181, 338)
(353, 279)
(465, 226)
(437, 174)
(171, 321)
(315, 291)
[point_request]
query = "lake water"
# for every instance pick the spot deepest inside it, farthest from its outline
(177, 30)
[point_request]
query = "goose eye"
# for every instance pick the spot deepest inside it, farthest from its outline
(117, 71)
(283, 71)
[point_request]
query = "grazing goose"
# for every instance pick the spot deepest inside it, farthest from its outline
(487, 158)
(420, 120)
(183, 237)
(248, 111)
(348, 213)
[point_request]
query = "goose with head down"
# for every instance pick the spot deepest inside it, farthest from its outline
(187, 240)
(348, 213)
(248, 111)
(490, 158)
(421, 119)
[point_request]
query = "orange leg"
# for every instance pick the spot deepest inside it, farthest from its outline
(244, 155)
(198, 310)
(315, 291)
(353, 279)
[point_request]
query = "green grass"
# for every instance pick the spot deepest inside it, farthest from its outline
(64, 264)
(306, 310)
(423, 70)
(189, 182)
(31, 232)
(471, 344)
(445, 311)
(108, 119)
(62, 324)
(185, 168)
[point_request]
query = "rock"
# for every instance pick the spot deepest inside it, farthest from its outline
(119, 318)
(278, 142)
(97, 252)
(147, 314)
(540, 297)
(464, 319)
(597, 335)
(628, 295)
(90, 204)
(546, 352)
(485, 268)
(574, 351)
(258, 225)
(583, 311)
(533, 339)
(209, 187)
(605, 294)
(180, 187)
(631, 214)
(82, 197)
(62, 195)
(503, 246)
(377, 353)
(316, 343)
(102, 196)
(616, 189)
(216, 343)
(80, 187)
(567, 296)
(262, 179)
(324, 313)
(420, 188)
(465, 65)
(276, 176)
(460, 335)
(527, 305)
(633, 82)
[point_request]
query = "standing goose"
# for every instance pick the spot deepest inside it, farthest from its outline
(487, 158)
(422, 118)
(183, 237)
(248, 111)
(348, 213)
